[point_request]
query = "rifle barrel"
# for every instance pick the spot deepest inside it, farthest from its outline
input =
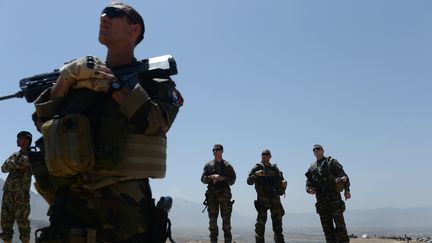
(16, 95)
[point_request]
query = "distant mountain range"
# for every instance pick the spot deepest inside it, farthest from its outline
(188, 214)
(185, 213)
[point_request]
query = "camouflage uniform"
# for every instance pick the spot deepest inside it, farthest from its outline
(268, 190)
(16, 196)
(110, 201)
(115, 200)
(218, 195)
(330, 206)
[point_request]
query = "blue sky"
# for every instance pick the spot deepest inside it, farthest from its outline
(283, 75)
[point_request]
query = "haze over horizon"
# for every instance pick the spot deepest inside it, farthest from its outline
(354, 76)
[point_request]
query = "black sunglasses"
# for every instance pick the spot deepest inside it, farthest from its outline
(217, 150)
(316, 149)
(265, 154)
(112, 12)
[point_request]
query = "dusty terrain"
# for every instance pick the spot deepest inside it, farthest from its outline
(352, 241)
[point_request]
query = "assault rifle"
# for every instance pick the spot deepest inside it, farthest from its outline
(155, 67)
(314, 178)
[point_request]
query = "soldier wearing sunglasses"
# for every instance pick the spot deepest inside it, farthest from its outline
(219, 175)
(269, 185)
(108, 200)
(326, 179)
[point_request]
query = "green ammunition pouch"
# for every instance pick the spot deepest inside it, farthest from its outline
(62, 234)
(68, 146)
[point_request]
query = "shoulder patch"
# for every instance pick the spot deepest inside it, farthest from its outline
(175, 97)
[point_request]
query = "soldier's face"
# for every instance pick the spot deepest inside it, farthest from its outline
(265, 157)
(22, 142)
(116, 28)
(217, 152)
(318, 152)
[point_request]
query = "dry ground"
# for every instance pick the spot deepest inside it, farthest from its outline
(352, 241)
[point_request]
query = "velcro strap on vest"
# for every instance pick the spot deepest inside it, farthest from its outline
(144, 157)
(141, 157)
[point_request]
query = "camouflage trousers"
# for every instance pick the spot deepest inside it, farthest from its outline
(332, 221)
(118, 213)
(15, 206)
(262, 205)
(222, 201)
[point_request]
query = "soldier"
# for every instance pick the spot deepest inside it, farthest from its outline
(105, 136)
(16, 191)
(219, 175)
(326, 179)
(269, 185)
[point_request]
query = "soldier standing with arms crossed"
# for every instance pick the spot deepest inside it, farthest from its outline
(16, 191)
(219, 175)
(326, 179)
(269, 185)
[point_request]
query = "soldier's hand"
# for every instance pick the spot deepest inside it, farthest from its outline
(347, 195)
(260, 173)
(341, 179)
(98, 85)
(311, 190)
(216, 178)
(86, 68)
(284, 183)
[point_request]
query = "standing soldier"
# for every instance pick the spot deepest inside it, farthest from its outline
(269, 185)
(16, 196)
(326, 179)
(105, 135)
(219, 175)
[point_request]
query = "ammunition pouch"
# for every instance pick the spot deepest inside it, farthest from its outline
(68, 146)
(61, 234)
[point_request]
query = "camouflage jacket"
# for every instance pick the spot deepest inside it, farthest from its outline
(222, 168)
(19, 169)
(149, 110)
(269, 185)
(321, 176)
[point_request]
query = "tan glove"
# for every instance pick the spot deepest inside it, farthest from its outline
(98, 85)
(85, 68)
(89, 70)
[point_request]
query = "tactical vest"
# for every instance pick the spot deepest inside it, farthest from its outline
(323, 178)
(217, 168)
(270, 184)
(96, 147)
